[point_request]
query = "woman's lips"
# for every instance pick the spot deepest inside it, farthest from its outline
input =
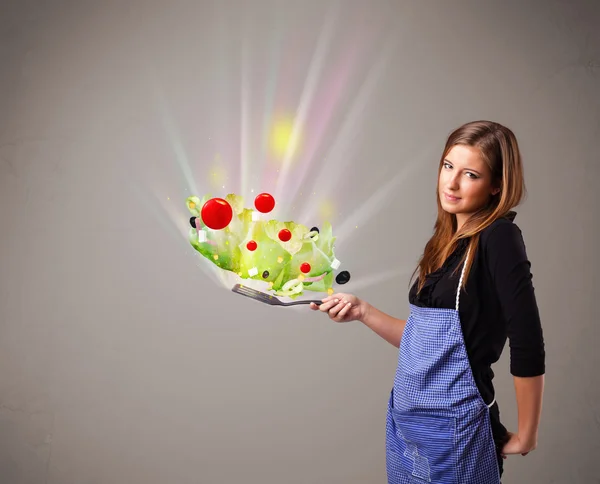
(451, 198)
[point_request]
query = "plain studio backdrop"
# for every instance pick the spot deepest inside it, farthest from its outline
(124, 359)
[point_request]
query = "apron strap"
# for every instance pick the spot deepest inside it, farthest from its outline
(462, 275)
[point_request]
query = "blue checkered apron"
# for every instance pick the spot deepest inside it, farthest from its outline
(438, 427)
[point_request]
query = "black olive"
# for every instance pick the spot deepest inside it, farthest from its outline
(265, 274)
(343, 277)
(193, 222)
(314, 229)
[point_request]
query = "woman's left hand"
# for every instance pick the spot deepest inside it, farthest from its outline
(518, 445)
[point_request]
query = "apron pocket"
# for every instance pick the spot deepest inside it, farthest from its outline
(426, 446)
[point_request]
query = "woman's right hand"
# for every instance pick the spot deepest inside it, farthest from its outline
(342, 307)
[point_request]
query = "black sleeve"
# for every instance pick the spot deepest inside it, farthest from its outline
(510, 271)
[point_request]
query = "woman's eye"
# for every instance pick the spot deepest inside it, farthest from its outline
(472, 175)
(447, 166)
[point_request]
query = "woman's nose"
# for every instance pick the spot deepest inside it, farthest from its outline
(453, 182)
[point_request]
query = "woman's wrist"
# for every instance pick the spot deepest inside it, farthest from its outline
(365, 310)
(528, 437)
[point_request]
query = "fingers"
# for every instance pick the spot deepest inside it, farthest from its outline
(336, 305)
(345, 308)
(338, 312)
(513, 445)
(330, 307)
(333, 307)
(338, 296)
(325, 306)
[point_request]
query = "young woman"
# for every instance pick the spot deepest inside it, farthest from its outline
(474, 290)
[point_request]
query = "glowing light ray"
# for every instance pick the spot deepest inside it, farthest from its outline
(339, 156)
(164, 214)
(371, 205)
(165, 112)
(245, 108)
(173, 222)
(328, 107)
(367, 281)
(167, 213)
(308, 92)
(176, 224)
(175, 139)
(357, 284)
(223, 106)
(274, 62)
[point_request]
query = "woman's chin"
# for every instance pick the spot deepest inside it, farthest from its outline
(452, 209)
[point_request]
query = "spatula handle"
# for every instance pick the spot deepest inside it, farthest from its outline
(318, 302)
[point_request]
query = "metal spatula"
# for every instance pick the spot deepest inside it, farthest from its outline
(268, 299)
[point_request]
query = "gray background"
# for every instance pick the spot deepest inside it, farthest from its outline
(125, 359)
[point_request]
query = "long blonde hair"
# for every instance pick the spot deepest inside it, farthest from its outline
(499, 149)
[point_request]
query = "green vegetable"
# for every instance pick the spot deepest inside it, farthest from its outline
(279, 261)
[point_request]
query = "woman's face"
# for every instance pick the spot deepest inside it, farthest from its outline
(465, 183)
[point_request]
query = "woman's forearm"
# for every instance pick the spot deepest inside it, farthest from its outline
(386, 326)
(529, 392)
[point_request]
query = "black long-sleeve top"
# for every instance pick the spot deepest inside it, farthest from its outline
(498, 302)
